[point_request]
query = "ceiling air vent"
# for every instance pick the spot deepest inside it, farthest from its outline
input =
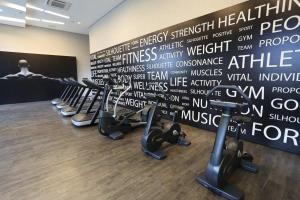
(59, 4)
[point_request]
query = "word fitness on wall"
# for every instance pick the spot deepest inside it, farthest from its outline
(255, 45)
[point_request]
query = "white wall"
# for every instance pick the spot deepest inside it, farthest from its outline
(45, 41)
(135, 18)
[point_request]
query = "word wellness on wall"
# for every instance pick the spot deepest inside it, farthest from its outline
(255, 45)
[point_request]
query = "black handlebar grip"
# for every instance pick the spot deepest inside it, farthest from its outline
(178, 108)
(149, 95)
(233, 87)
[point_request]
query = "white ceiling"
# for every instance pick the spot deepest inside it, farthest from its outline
(13, 13)
(82, 13)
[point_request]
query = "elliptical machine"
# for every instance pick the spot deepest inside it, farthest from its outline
(155, 136)
(110, 124)
(225, 158)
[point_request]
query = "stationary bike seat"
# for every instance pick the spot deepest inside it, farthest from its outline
(241, 119)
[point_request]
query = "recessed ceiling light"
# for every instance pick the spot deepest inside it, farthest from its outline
(78, 22)
(52, 22)
(11, 19)
(32, 19)
(14, 6)
(34, 7)
(1, 10)
(57, 14)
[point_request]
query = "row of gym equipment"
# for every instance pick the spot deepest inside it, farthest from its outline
(88, 103)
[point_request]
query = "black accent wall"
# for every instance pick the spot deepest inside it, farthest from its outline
(254, 45)
(18, 90)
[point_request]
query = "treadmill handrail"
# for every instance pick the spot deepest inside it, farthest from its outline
(92, 85)
(77, 83)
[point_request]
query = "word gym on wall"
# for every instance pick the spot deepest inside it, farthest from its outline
(254, 45)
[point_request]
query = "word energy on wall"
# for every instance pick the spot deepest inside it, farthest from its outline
(255, 45)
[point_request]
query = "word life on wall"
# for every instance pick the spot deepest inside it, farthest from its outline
(255, 45)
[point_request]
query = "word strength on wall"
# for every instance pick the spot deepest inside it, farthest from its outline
(255, 45)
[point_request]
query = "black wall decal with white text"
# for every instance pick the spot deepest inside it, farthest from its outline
(255, 45)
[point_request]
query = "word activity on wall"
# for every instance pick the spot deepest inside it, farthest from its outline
(254, 45)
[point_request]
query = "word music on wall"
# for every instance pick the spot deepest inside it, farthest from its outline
(255, 45)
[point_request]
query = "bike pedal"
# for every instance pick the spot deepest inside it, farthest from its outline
(249, 166)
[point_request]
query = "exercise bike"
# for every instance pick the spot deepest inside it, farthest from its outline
(112, 125)
(154, 136)
(225, 158)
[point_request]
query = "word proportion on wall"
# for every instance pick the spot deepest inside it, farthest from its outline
(255, 45)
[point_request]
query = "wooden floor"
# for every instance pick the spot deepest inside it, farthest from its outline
(43, 157)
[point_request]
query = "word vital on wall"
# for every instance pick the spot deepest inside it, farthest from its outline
(254, 45)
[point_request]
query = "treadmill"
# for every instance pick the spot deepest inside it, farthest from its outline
(72, 109)
(73, 94)
(88, 117)
(64, 94)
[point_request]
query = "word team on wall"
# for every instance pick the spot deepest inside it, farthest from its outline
(255, 45)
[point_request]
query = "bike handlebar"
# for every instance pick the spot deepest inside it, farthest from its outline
(149, 95)
(233, 87)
